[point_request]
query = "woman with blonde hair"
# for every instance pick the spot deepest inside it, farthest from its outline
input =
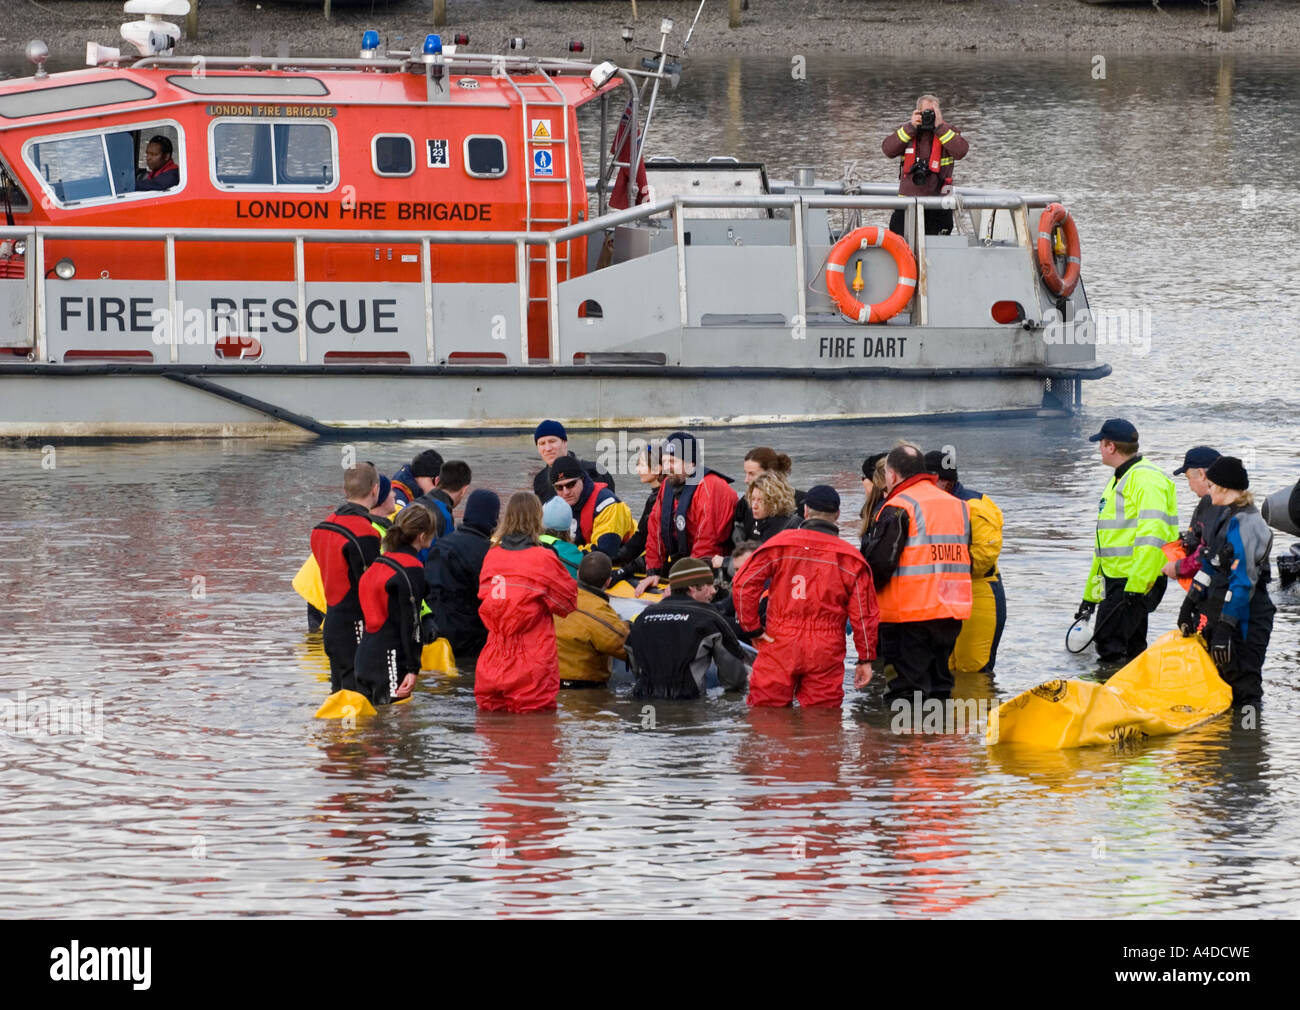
(873, 482)
(521, 585)
(771, 502)
(1231, 590)
(758, 462)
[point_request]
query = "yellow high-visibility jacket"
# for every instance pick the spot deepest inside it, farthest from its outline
(1137, 516)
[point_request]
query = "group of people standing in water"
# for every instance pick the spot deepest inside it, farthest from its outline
(757, 588)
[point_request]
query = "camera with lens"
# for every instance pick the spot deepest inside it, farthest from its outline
(927, 119)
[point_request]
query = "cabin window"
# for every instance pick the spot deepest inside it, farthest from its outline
(266, 155)
(242, 84)
(69, 97)
(485, 157)
(106, 165)
(392, 154)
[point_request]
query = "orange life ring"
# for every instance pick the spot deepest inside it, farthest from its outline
(865, 238)
(1056, 216)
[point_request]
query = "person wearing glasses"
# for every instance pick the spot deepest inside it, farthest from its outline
(604, 522)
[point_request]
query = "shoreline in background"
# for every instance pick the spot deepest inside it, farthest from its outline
(894, 28)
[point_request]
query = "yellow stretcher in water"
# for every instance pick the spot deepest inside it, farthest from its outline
(1171, 687)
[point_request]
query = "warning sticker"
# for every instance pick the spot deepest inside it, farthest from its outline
(542, 163)
(438, 157)
(541, 131)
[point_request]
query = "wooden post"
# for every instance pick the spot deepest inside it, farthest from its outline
(733, 14)
(439, 13)
(328, 12)
(192, 21)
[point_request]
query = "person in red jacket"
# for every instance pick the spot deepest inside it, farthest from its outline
(928, 146)
(816, 582)
(693, 513)
(521, 585)
(343, 546)
(391, 591)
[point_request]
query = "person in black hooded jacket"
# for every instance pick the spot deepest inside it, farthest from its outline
(452, 574)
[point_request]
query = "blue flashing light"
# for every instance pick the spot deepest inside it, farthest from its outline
(370, 40)
(432, 44)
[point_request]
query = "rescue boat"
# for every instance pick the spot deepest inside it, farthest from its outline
(409, 242)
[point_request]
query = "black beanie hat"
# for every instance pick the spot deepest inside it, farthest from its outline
(1227, 472)
(683, 445)
(565, 468)
(482, 510)
(427, 464)
(934, 464)
(869, 464)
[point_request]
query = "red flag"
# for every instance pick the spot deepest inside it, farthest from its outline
(621, 149)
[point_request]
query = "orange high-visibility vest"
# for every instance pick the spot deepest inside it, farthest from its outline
(932, 579)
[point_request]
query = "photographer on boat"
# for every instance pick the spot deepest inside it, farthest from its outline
(928, 146)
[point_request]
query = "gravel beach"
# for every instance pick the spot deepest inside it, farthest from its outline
(896, 28)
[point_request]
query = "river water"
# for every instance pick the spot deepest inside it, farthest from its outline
(151, 582)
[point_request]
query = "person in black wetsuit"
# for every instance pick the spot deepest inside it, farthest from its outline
(391, 591)
(452, 574)
(674, 641)
(344, 545)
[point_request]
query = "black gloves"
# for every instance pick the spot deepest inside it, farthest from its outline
(1085, 610)
(1187, 618)
(1221, 645)
(428, 629)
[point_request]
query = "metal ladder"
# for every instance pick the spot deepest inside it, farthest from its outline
(558, 145)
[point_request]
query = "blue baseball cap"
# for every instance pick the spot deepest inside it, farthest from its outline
(1116, 429)
(1198, 457)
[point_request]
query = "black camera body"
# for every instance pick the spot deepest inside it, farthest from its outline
(927, 119)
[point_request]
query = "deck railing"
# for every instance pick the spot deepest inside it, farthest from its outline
(880, 197)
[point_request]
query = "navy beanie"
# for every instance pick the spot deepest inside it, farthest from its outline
(482, 510)
(822, 498)
(683, 445)
(548, 427)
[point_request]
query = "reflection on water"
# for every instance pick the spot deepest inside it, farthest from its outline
(156, 579)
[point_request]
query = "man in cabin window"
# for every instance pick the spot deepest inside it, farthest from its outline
(928, 146)
(160, 172)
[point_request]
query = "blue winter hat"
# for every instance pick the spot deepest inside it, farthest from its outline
(549, 428)
(556, 515)
(482, 510)
(385, 488)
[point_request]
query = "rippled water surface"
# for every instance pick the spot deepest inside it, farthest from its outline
(152, 580)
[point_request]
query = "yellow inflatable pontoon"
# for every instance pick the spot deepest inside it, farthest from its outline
(1171, 687)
